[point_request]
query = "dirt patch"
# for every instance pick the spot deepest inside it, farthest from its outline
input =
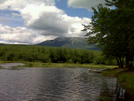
(10, 65)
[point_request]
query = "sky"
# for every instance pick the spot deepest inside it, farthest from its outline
(35, 21)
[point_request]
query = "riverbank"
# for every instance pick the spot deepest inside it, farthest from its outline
(125, 76)
(62, 65)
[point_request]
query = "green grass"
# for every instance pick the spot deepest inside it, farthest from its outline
(69, 65)
(114, 72)
(125, 77)
(40, 64)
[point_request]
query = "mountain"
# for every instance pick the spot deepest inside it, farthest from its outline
(69, 42)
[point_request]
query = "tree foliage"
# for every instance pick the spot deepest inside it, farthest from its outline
(50, 54)
(113, 29)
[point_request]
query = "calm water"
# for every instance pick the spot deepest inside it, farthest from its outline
(57, 84)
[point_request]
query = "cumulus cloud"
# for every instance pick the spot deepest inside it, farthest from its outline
(53, 21)
(15, 14)
(21, 35)
(20, 4)
(45, 18)
(1, 1)
(88, 4)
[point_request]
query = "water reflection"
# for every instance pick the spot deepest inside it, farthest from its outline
(106, 93)
(11, 66)
(58, 84)
(124, 94)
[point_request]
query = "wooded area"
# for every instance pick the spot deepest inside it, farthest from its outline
(112, 28)
(51, 55)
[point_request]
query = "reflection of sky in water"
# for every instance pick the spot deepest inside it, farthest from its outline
(55, 84)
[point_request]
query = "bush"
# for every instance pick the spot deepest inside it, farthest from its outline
(33, 53)
(70, 61)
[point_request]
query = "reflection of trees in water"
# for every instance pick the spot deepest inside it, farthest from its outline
(106, 94)
(124, 95)
(115, 94)
(120, 93)
(53, 87)
(75, 84)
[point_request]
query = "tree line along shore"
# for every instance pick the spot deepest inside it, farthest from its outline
(32, 53)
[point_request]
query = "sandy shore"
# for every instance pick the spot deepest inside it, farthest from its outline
(10, 65)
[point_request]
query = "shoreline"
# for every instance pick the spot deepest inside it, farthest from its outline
(61, 65)
(124, 76)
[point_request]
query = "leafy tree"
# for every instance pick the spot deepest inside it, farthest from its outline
(121, 3)
(125, 11)
(46, 54)
(112, 30)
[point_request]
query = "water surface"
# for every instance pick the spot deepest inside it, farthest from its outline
(57, 84)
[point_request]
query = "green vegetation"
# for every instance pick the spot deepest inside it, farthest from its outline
(125, 77)
(62, 65)
(68, 65)
(113, 30)
(49, 55)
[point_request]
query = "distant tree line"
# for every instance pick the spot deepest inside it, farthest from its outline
(51, 55)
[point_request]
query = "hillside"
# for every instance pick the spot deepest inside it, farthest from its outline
(69, 42)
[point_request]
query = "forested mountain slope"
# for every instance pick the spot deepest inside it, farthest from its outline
(69, 42)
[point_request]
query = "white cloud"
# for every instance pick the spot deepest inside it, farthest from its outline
(20, 4)
(15, 14)
(21, 35)
(44, 17)
(88, 4)
(52, 21)
(1, 1)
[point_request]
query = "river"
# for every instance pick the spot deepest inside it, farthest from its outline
(58, 84)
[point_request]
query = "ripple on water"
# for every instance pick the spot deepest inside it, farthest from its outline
(55, 84)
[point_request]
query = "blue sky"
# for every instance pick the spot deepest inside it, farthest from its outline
(34, 21)
(80, 12)
(8, 19)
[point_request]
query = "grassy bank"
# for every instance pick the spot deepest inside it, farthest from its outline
(125, 77)
(70, 65)
(37, 64)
